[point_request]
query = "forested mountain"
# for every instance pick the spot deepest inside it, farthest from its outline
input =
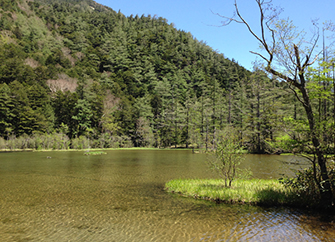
(77, 70)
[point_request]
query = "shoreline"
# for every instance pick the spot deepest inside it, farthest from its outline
(89, 149)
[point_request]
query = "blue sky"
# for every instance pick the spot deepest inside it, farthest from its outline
(234, 41)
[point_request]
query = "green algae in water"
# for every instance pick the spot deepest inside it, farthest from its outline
(95, 153)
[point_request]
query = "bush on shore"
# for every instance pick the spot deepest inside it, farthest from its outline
(60, 141)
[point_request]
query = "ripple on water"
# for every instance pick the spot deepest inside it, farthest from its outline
(76, 198)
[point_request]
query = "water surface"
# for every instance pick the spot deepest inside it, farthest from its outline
(120, 197)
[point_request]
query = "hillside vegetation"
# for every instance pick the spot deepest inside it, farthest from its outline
(77, 73)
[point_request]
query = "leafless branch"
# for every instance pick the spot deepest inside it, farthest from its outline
(228, 20)
(296, 94)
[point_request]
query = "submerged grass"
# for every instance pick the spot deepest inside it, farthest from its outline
(255, 191)
(95, 153)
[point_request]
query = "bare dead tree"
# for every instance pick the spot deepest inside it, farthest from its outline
(63, 83)
(287, 55)
(31, 62)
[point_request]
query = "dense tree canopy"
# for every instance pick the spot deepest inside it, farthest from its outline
(64, 61)
(81, 69)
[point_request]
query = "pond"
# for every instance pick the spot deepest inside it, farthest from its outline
(119, 196)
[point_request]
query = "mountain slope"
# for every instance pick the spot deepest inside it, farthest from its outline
(81, 68)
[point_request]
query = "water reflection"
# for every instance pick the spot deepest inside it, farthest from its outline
(120, 197)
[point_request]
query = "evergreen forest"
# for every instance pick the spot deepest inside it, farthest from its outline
(77, 74)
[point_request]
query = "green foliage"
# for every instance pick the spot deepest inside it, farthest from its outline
(2, 143)
(134, 59)
(64, 108)
(9, 5)
(37, 141)
(6, 105)
(227, 156)
(305, 187)
(82, 116)
(82, 142)
(286, 144)
(82, 69)
(40, 141)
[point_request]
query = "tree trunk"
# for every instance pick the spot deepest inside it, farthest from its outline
(187, 125)
(324, 186)
(229, 108)
(258, 125)
(334, 106)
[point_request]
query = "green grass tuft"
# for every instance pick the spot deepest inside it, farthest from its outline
(255, 191)
(95, 153)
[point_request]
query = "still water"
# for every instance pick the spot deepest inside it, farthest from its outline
(120, 197)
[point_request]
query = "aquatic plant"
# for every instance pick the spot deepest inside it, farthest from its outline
(95, 153)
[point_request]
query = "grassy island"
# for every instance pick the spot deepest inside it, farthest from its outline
(255, 191)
